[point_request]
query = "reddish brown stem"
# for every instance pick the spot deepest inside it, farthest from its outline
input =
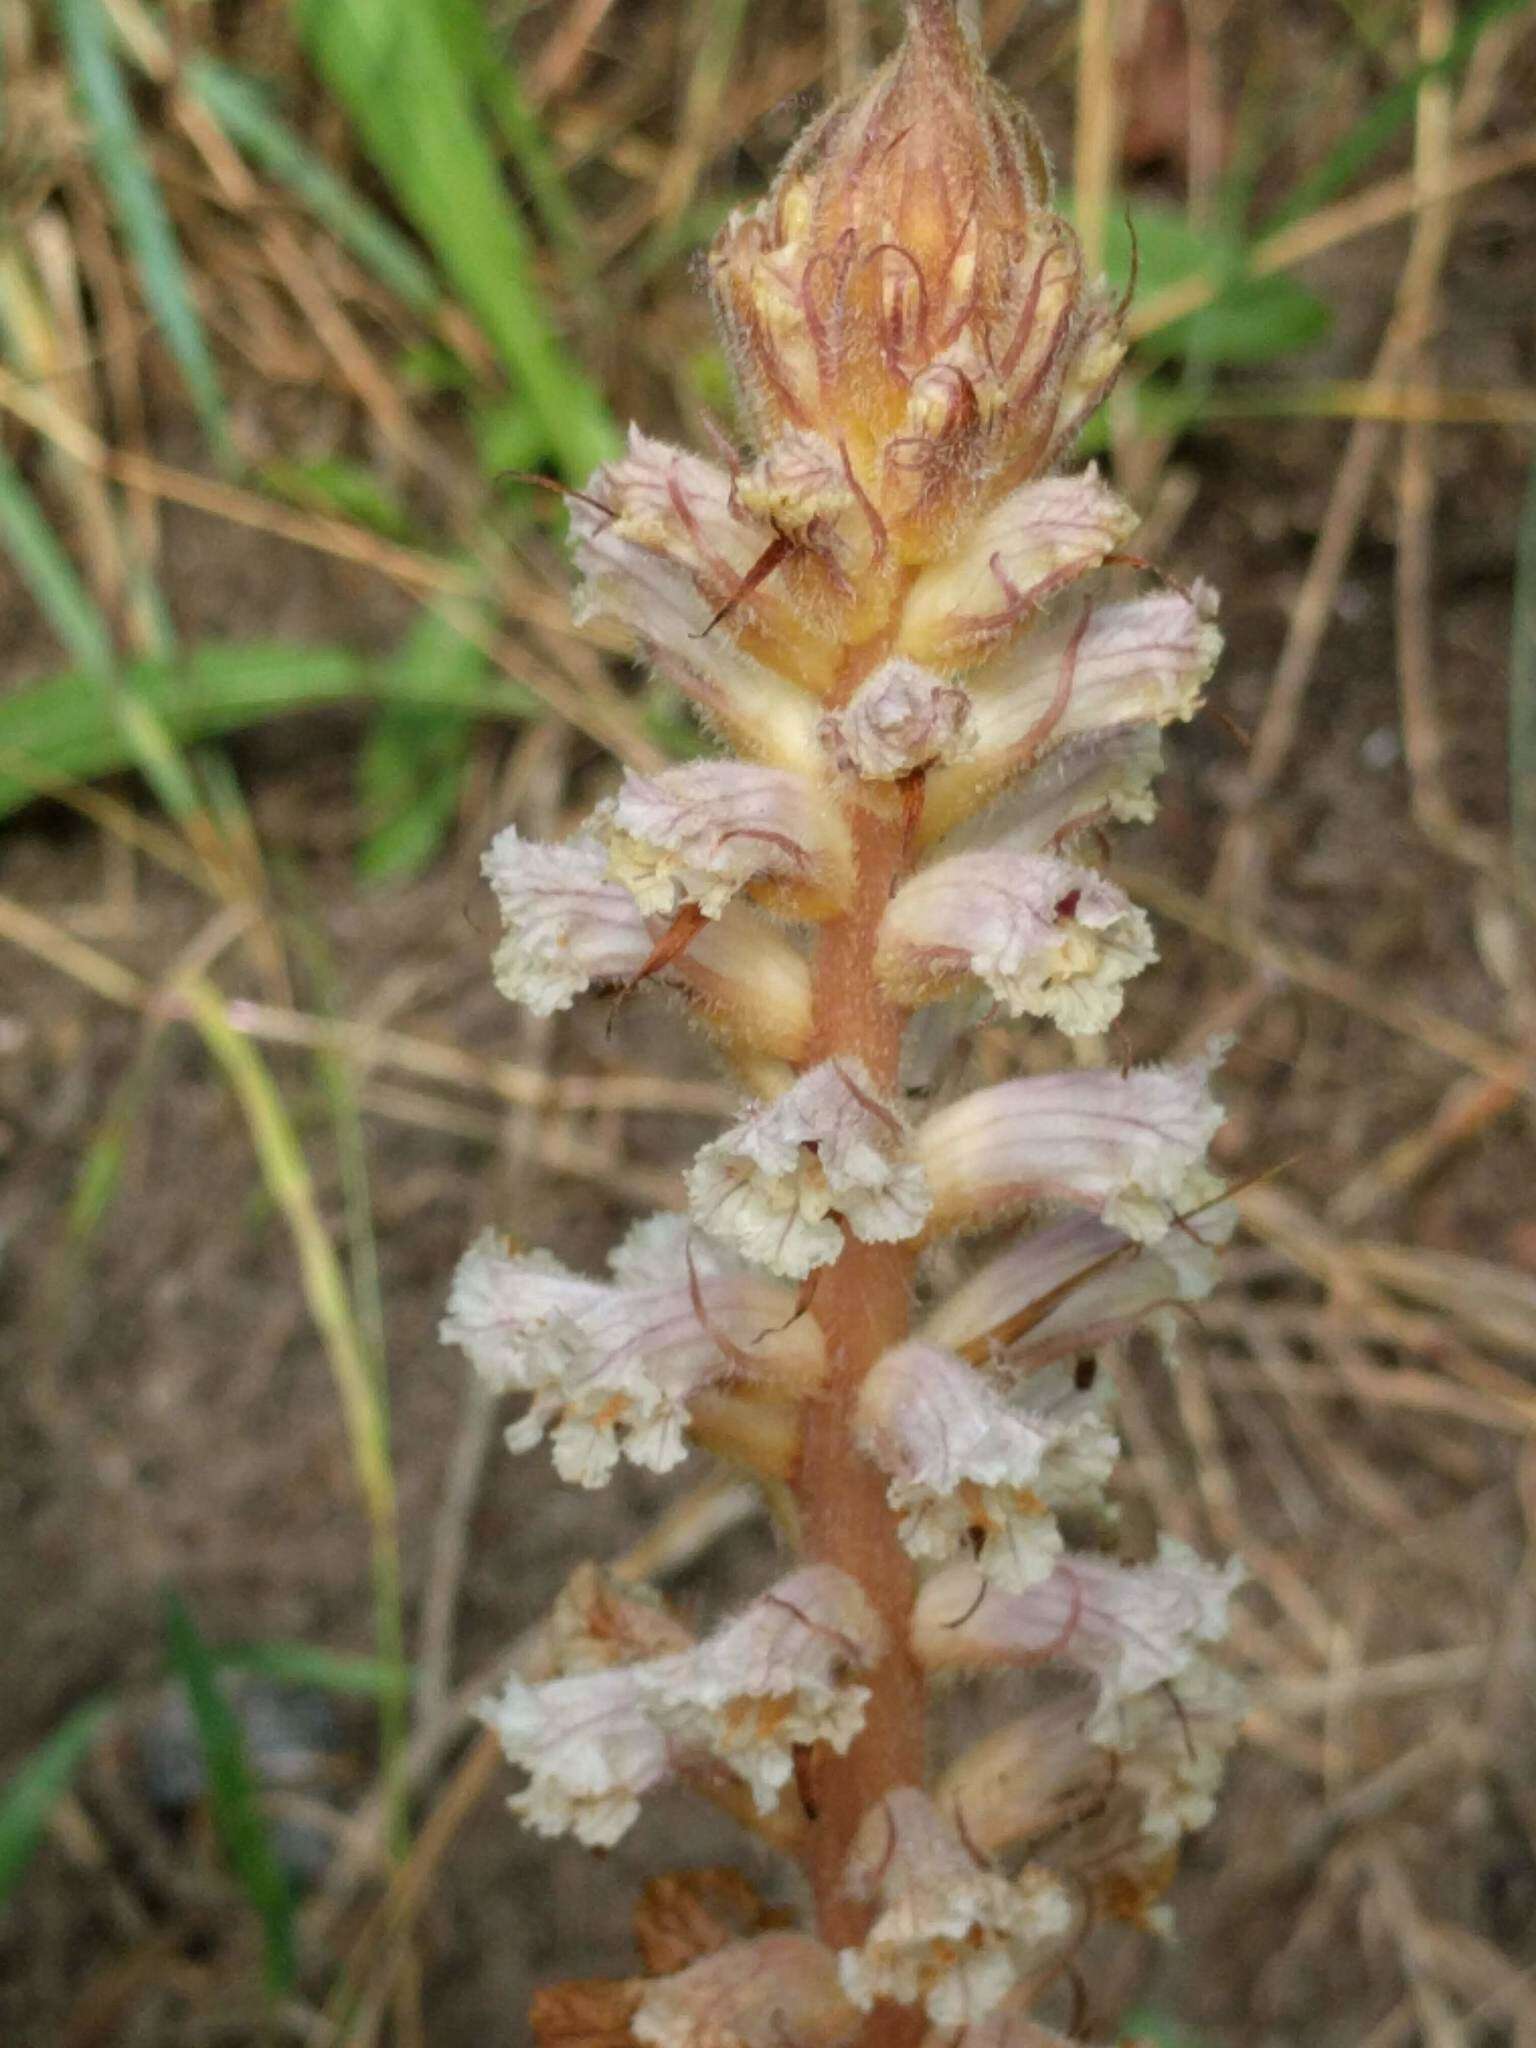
(863, 1303)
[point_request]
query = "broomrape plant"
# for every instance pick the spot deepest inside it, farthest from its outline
(894, 612)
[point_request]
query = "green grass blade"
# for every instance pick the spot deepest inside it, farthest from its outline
(237, 1817)
(312, 1665)
(45, 568)
(1370, 135)
(66, 727)
(1522, 693)
(390, 65)
(494, 72)
(125, 171)
(35, 1788)
(411, 770)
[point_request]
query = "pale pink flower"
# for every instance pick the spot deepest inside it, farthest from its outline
(900, 719)
(1040, 539)
(773, 1679)
(1130, 1626)
(703, 832)
(568, 925)
(1131, 1146)
(666, 546)
(781, 1184)
(571, 927)
(591, 1750)
(1046, 939)
(1080, 678)
(1143, 662)
(951, 1934)
(776, 1990)
(612, 1368)
(967, 1464)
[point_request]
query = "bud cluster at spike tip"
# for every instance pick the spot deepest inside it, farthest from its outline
(936, 683)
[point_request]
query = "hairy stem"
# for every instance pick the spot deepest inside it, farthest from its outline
(863, 1303)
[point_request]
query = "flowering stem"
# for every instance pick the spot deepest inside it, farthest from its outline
(863, 1304)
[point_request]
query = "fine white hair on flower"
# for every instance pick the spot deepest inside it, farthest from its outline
(1046, 939)
(950, 1934)
(703, 832)
(967, 1466)
(774, 1678)
(1099, 779)
(780, 1184)
(568, 925)
(591, 1749)
(1129, 1145)
(900, 719)
(1041, 538)
(1062, 1290)
(776, 1990)
(612, 1368)
(1130, 1626)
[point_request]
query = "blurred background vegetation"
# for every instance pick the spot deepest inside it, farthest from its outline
(294, 296)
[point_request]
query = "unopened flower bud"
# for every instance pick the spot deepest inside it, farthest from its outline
(951, 1935)
(907, 293)
(781, 1184)
(900, 719)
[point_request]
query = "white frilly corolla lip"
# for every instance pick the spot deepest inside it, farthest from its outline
(1041, 538)
(1130, 1626)
(1058, 1291)
(570, 927)
(968, 1466)
(900, 719)
(1044, 938)
(1129, 1145)
(611, 1368)
(773, 1679)
(591, 1749)
(781, 1183)
(950, 1934)
(776, 1990)
(705, 831)
(1171, 1746)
